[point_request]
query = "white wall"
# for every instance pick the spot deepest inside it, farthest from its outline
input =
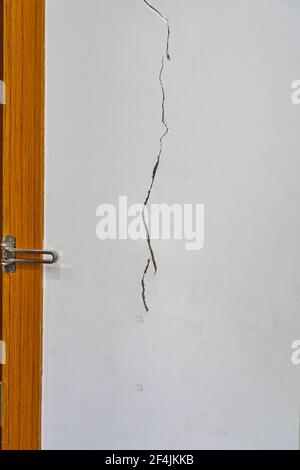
(209, 367)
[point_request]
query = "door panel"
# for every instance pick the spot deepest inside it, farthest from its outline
(209, 365)
(22, 159)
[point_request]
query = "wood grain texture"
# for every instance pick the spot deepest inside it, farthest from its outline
(22, 206)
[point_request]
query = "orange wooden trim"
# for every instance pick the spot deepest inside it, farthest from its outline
(22, 206)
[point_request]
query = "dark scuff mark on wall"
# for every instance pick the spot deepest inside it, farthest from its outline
(161, 146)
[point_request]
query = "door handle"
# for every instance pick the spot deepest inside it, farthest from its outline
(9, 254)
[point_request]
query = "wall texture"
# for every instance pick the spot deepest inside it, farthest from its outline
(209, 366)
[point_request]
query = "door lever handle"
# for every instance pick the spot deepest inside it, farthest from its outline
(9, 254)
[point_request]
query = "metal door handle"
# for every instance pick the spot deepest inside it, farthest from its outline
(9, 254)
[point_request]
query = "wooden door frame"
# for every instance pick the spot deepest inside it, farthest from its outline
(22, 67)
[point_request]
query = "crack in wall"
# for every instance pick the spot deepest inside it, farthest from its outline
(168, 26)
(143, 286)
(157, 163)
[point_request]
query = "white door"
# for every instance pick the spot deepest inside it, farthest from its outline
(209, 365)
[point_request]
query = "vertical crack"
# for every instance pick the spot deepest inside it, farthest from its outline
(161, 146)
(168, 26)
(143, 286)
